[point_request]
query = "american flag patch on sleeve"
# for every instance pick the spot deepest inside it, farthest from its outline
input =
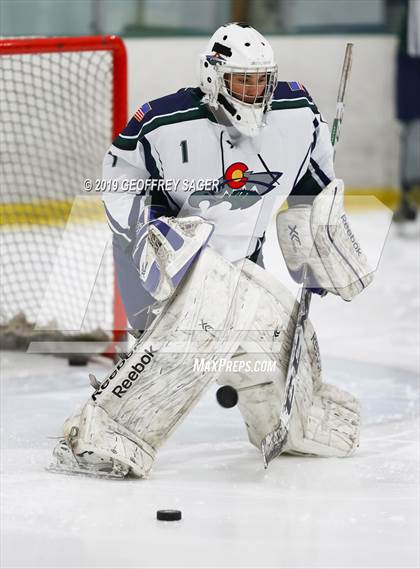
(295, 86)
(139, 114)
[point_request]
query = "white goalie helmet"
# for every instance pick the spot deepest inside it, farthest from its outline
(238, 74)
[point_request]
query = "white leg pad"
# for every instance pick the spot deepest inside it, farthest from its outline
(98, 441)
(325, 420)
(147, 395)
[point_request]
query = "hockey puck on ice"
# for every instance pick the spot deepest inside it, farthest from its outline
(78, 360)
(227, 396)
(168, 515)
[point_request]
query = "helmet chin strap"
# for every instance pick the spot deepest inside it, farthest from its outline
(221, 99)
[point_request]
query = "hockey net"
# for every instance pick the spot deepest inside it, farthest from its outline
(62, 102)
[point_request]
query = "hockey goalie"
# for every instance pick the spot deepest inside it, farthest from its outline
(191, 270)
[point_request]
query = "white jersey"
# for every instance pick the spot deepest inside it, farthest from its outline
(206, 168)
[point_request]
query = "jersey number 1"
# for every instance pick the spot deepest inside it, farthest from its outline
(184, 151)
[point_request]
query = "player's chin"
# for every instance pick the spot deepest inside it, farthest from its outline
(251, 99)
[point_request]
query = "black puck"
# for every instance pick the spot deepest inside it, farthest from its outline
(78, 360)
(168, 515)
(227, 396)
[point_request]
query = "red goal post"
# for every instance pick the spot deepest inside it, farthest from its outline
(45, 83)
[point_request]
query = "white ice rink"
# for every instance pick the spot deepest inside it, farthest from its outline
(361, 512)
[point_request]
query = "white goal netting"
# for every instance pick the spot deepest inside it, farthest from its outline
(56, 121)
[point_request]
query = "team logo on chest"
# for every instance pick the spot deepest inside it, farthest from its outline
(239, 186)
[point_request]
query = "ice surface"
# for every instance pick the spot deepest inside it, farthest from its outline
(361, 512)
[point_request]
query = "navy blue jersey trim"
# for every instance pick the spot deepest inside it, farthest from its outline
(150, 162)
(283, 91)
(314, 139)
(114, 223)
(158, 197)
(185, 105)
(300, 168)
(286, 98)
(322, 176)
(305, 190)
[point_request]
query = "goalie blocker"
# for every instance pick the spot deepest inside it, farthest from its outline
(137, 407)
(320, 237)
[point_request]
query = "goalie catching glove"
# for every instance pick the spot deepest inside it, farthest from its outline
(320, 237)
(164, 250)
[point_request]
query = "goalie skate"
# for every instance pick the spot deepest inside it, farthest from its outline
(65, 462)
(273, 444)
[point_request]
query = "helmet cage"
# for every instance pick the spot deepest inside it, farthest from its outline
(238, 91)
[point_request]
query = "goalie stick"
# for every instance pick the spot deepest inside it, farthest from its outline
(274, 442)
